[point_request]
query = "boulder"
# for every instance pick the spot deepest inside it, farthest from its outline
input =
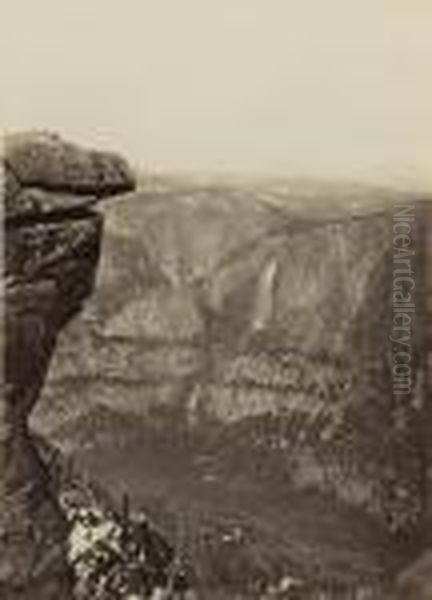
(46, 161)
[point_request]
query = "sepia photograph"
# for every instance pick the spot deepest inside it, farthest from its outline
(216, 300)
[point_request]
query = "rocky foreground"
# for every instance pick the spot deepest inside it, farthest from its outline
(52, 241)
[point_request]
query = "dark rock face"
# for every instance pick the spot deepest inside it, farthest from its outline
(52, 243)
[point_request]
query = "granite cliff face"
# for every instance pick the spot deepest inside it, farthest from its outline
(52, 243)
(234, 360)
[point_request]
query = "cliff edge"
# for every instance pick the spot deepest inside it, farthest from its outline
(52, 242)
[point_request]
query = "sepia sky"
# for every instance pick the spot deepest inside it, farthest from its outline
(327, 88)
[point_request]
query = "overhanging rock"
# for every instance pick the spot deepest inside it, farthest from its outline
(52, 242)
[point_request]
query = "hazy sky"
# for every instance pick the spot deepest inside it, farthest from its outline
(333, 88)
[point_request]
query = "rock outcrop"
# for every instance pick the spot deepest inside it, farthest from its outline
(52, 244)
(44, 160)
